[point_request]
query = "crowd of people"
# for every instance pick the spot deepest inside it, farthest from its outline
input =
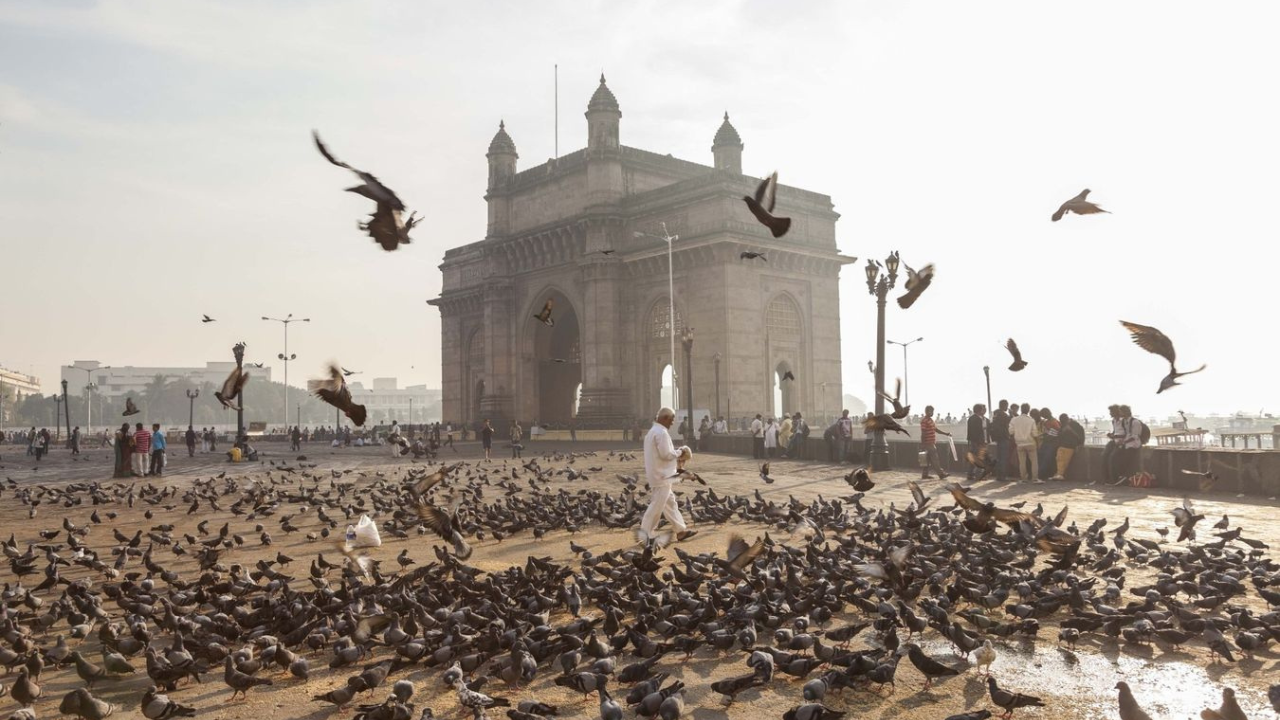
(1036, 446)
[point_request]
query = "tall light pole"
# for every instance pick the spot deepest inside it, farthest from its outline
(88, 379)
(57, 410)
(668, 238)
(716, 359)
(878, 285)
(286, 357)
(3, 397)
(191, 406)
(906, 388)
(686, 339)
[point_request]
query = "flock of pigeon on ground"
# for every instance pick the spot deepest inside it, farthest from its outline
(831, 593)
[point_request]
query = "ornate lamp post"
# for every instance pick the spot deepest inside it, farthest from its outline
(986, 370)
(66, 409)
(238, 351)
(57, 414)
(686, 339)
(191, 406)
(878, 285)
(906, 388)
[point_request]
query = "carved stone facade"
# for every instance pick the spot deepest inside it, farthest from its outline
(580, 230)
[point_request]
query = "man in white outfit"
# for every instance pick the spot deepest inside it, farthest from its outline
(660, 465)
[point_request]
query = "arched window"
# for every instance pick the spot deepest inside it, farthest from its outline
(782, 318)
(475, 352)
(660, 322)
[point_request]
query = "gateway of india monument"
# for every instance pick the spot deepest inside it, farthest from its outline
(586, 230)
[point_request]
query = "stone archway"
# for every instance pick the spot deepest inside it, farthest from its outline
(557, 357)
(783, 390)
(473, 384)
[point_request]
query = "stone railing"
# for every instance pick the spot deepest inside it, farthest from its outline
(1255, 472)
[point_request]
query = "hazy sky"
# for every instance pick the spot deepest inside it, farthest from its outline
(155, 164)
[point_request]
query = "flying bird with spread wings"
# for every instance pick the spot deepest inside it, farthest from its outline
(387, 225)
(334, 391)
(129, 407)
(749, 255)
(1018, 362)
(207, 319)
(1078, 205)
(761, 205)
(445, 524)
(1154, 341)
(917, 283)
(231, 388)
(885, 423)
(899, 410)
(544, 316)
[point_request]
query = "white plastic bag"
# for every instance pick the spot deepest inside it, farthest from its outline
(363, 534)
(952, 442)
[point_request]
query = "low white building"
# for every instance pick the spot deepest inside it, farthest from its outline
(115, 381)
(386, 401)
(18, 385)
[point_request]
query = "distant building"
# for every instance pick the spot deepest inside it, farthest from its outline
(117, 381)
(386, 401)
(18, 385)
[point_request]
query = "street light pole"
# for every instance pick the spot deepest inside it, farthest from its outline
(88, 379)
(668, 238)
(191, 406)
(879, 285)
(716, 359)
(906, 387)
(687, 341)
(286, 357)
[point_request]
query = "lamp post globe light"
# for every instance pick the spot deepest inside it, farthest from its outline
(191, 406)
(879, 284)
(686, 339)
(90, 387)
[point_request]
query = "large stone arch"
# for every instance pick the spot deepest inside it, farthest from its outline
(554, 357)
(473, 374)
(657, 351)
(784, 330)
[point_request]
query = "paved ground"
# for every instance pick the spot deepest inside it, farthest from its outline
(1077, 684)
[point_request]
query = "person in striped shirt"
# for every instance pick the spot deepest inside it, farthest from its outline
(141, 450)
(929, 444)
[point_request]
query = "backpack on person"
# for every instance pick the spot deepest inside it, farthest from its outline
(1144, 435)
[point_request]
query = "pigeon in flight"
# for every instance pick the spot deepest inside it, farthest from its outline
(207, 319)
(788, 375)
(231, 388)
(917, 283)
(762, 206)
(1154, 341)
(885, 423)
(1078, 205)
(129, 407)
(257, 365)
(748, 255)
(1018, 362)
(333, 390)
(544, 317)
(348, 373)
(387, 225)
(899, 410)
